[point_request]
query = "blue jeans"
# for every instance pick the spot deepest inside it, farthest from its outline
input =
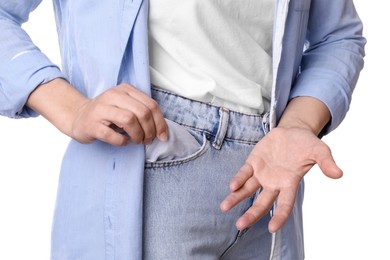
(187, 178)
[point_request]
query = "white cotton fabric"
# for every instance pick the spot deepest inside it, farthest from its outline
(219, 52)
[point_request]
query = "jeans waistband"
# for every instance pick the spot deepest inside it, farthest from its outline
(211, 119)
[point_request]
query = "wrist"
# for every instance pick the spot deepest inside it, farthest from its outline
(297, 123)
(305, 113)
(58, 102)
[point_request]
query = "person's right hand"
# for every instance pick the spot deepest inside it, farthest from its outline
(118, 116)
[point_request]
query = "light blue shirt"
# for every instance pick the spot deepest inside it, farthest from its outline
(104, 43)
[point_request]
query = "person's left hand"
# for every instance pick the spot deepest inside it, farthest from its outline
(277, 164)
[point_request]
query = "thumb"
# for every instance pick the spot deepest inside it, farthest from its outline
(329, 167)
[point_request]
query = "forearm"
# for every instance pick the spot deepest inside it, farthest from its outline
(58, 102)
(305, 112)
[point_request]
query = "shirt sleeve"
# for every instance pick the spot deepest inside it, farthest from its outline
(333, 57)
(23, 66)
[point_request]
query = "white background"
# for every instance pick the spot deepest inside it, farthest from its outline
(344, 219)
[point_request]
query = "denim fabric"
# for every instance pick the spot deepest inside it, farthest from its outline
(182, 219)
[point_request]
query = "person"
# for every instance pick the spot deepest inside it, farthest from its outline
(193, 123)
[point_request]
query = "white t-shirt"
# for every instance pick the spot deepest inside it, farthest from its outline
(215, 51)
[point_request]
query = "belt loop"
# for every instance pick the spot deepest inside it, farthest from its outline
(265, 123)
(222, 127)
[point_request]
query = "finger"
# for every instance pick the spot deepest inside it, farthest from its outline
(133, 117)
(327, 164)
(247, 190)
(159, 120)
(330, 168)
(126, 120)
(260, 207)
(108, 135)
(160, 126)
(142, 116)
(244, 174)
(284, 205)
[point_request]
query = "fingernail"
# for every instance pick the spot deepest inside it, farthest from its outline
(163, 136)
